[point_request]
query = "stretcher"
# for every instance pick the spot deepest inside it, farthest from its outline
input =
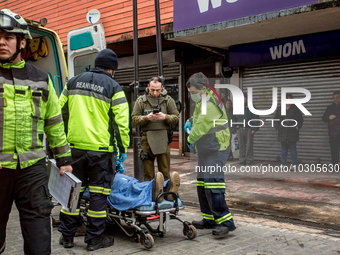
(158, 212)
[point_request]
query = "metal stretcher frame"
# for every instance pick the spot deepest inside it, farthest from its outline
(135, 218)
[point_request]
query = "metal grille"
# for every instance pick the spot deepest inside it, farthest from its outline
(126, 76)
(321, 78)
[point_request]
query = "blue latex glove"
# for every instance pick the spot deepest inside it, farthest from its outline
(187, 126)
(122, 157)
(190, 146)
(119, 168)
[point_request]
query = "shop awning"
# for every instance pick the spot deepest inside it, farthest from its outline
(298, 21)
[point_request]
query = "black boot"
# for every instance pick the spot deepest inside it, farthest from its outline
(220, 231)
(202, 224)
(100, 242)
(66, 243)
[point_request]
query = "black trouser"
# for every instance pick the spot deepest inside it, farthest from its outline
(334, 142)
(211, 189)
(28, 188)
(94, 169)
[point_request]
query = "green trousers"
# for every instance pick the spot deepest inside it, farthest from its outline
(163, 162)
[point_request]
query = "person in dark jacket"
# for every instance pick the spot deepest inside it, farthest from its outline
(288, 134)
(97, 115)
(245, 133)
(332, 117)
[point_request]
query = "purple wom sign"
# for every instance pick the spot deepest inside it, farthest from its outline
(195, 13)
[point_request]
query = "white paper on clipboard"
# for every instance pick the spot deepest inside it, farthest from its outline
(65, 189)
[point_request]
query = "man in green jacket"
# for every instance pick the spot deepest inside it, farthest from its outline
(96, 112)
(28, 109)
(155, 111)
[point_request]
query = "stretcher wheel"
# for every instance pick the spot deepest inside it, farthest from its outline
(136, 238)
(191, 232)
(148, 241)
(160, 234)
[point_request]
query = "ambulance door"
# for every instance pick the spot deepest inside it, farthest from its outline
(83, 45)
(46, 52)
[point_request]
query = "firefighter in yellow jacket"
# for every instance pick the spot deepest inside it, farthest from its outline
(28, 109)
(96, 112)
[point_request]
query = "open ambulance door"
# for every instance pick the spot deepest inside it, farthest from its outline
(45, 51)
(83, 45)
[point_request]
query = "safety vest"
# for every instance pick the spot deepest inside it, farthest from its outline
(28, 109)
(96, 112)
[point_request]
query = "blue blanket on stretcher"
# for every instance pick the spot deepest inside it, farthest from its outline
(128, 193)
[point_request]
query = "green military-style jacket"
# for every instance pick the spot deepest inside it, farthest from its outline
(28, 109)
(145, 105)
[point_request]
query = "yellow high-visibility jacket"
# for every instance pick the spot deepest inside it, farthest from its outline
(28, 109)
(96, 112)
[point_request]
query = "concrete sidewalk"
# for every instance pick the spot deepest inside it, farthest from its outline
(308, 196)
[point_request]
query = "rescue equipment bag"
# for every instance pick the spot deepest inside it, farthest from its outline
(35, 49)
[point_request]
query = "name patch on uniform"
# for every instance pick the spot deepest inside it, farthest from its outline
(91, 86)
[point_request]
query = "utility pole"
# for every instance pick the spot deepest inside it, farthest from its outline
(159, 40)
(137, 162)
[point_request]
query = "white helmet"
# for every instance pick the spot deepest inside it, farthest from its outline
(13, 23)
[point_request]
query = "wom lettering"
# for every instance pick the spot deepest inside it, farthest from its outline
(287, 50)
(238, 102)
(204, 4)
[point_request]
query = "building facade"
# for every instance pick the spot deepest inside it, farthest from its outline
(272, 44)
(262, 43)
(116, 18)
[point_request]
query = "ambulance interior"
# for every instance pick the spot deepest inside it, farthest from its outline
(53, 62)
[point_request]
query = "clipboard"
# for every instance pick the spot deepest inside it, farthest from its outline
(65, 189)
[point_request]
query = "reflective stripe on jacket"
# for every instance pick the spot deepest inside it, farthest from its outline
(96, 112)
(28, 109)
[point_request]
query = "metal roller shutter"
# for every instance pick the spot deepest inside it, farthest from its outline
(321, 78)
(126, 76)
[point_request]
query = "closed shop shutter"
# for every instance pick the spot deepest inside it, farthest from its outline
(126, 76)
(321, 78)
